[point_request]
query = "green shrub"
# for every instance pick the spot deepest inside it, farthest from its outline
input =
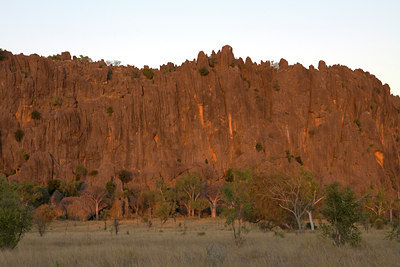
(53, 185)
(82, 58)
(2, 55)
(35, 115)
(289, 156)
(178, 160)
(203, 71)
(394, 233)
(276, 86)
(259, 147)
(212, 59)
(56, 101)
(378, 224)
(298, 159)
(110, 111)
(135, 74)
(42, 217)
(93, 173)
(19, 134)
(24, 155)
(357, 122)
(80, 171)
(341, 210)
(55, 57)
(311, 132)
(148, 73)
(15, 218)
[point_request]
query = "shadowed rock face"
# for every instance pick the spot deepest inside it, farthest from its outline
(341, 124)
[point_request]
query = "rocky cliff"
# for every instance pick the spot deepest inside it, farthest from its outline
(341, 124)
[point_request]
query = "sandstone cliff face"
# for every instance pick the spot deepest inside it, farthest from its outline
(341, 124)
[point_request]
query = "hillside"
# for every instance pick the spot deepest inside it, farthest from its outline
(341, 124)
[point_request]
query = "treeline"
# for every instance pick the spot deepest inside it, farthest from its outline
(272, 200)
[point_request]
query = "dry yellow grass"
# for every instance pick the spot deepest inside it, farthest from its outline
(87, 244)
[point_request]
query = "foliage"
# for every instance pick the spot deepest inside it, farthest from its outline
(276, 86)
(2, 55)
(236, 195)
(19, 134)
(203, 71)
(109, 74)
(93, 172)
(110, 187)
(394, 233)
(189, 188)
(148, 73)
(212, 59)
(53, 185)
(294, 193)
(42, 217)
(358, 123)
(378, 224)
(15, 218)
(80, 172)
(341, 211)
(71, 188)
(125, 177)
(110, 111)
(33, 194)
(82, 58)
(35, 115)
(24, 155)
(56, 101)
(165, 201)
(135, 74)
(259, 147)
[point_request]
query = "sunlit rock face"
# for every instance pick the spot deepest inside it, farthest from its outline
(341, 124)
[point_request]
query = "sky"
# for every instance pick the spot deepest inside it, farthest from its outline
(359, 34)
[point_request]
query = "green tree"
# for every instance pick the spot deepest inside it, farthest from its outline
(189, 188)
(165, 204)
(236, 195)
(341, 210)
(33, 194)
(15, 218)
(42, 217)
(125, 177)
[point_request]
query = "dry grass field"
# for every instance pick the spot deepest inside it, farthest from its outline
(190, 243)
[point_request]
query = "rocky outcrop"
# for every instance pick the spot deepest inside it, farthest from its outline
(341, 124)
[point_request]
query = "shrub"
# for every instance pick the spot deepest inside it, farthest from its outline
(2, 55)
(32, 194)
(42, 217)
(56, 101)
(289, 156)
(110, 187)
(311, 132)
(82, 58)
(93, 173)
(15, 218)
(259, 147)
(203, 71)
(357, 122)
(35, 115)
(125, 176)
(53, 185)
(148, 73)
(394, 233)
(55, 57)
(109, 74)
(24, 155)
(135, 74)
(276, 86)
(341, 210)
(80, 171)
(110, 111)
(212, 59)
(298, 159)
(19, 134)
(71, 188)
(378, 224)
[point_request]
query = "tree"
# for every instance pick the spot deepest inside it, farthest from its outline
(199, 205)
(212, 190)
(42, 217)
(165, 204)
(125, 177)
(189, 187)
(33, 194)
(236, 195)
(96, 195)
(294, 193)
(378, 203)
(341, 210)
(15, 218)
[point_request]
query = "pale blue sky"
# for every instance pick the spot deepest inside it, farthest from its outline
(360, 34)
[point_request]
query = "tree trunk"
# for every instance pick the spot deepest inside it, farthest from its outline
(391, 214)
(311, 220)
(299, 224)
(97, 211)
(214, 210)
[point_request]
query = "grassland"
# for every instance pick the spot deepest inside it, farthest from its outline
(190, 243)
